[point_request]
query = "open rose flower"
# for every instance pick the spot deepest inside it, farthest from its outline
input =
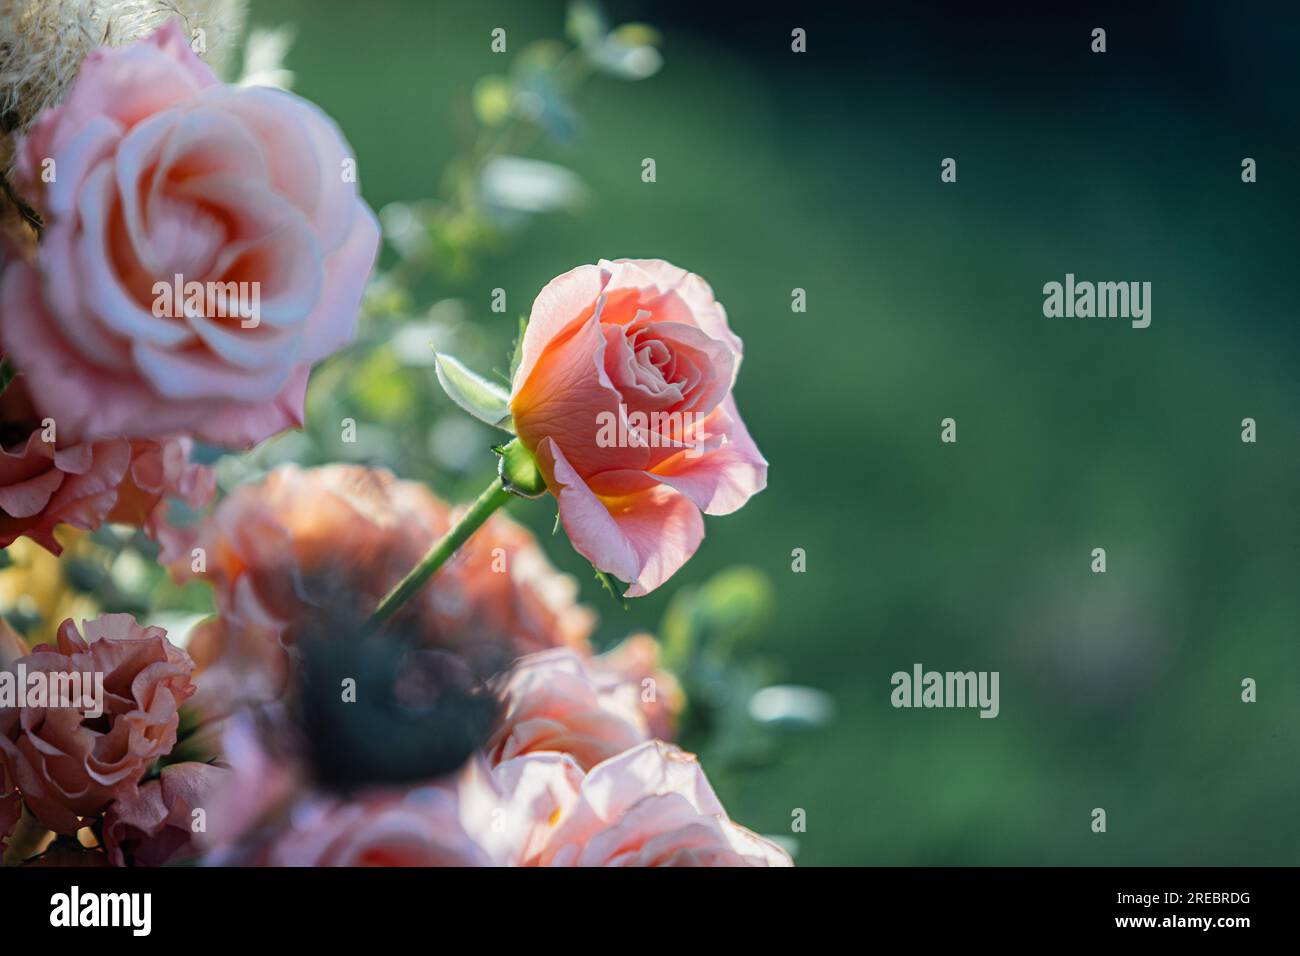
(265, 812)
(553, 702)
(623, 395)
(163, 172)
(69, 764)
(44, 485)
(419, 827)
(635, 661)
(652, 806)
(154, 824)
(338, 538)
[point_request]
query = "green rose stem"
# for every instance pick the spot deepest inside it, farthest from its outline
(517, 474)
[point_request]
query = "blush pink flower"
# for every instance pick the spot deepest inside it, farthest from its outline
(266, 812)
(161, 471)
(635, 661)
(155, 824)
(623, 395)
(44, 485)
(162, 171)
(69, 765)
(234, 668)
(419, 827)
(553, 702)
(652, 806)
(259, 786)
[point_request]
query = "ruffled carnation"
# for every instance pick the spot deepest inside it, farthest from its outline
(70, 766)
(155, 824)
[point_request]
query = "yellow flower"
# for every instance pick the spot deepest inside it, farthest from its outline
(35, 582)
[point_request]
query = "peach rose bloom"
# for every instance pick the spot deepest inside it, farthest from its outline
(505, 584)
(264, 813)
(162, 471)
(652, 806)
(289, 824)
(635, 661)
(531, 795)
(69, 766)
(259, 786)
(234, 669)
(43, 486)
(340, 537)
(420, 827)
(552, 701)
(154, 824)
(163, 171)
(477, 817)
(643, 344)
(47, 484)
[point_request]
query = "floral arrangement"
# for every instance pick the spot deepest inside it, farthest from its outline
(285, 655)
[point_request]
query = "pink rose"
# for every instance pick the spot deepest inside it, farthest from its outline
(265, 812)
(623, 395)
(553, 702)
(155, 824)
(478, 817)
(652, 806)
(419, 827)
(635, 660)
(162, 470)
(502, 583)
(69, 764)
(234, 668)
(259, 786)
(162, 171)
(44, 485)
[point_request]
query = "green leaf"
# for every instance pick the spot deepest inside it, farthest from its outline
(517, 356)
(484, 399)
(611, 585)
(7, 372)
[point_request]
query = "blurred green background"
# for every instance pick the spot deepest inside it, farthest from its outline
(821, 171)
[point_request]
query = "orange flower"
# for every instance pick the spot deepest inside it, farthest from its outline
(623, 396)
(336, 539)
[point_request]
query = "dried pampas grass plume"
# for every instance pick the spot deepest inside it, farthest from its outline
(42, 43)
